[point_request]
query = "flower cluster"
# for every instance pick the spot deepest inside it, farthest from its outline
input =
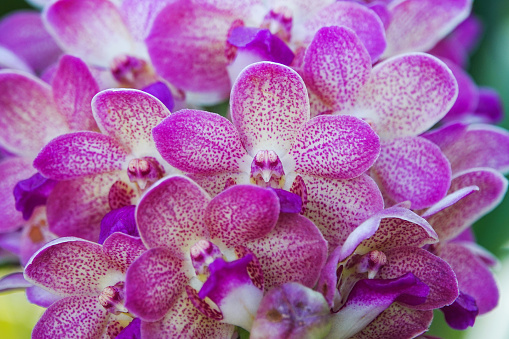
(334, 200)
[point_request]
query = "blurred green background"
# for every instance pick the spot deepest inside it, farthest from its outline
(489, 66)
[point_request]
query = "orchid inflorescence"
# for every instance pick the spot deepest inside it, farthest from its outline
(334, 200)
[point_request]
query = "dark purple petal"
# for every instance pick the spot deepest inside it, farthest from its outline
(32, 192)
(131, 331)
(490, 108)
(370, 297)
(161, 92)
(291, 311)
(119, 220)
(288, 202)
(262, 43)
(461, 313)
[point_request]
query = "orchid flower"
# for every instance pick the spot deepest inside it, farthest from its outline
(26, 102)
(227, 249)
(387, 248)
(272, 143)
(117, 164)
(98, 32)
(400, 97)
(90, 280)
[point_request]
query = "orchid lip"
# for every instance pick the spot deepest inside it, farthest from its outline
(279, 21)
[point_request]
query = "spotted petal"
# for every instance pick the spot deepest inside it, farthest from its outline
(79, 154)
(128, 115)
(170, 214)
(474, 278)
(336, 66)
(364, 22)
(407, 94)
(123, 249)
(337, 207)
(430, 269)
(183, 319)
(73, 90)
(92, 30)
(412, 169)
(199, 142)
(153, 283)
(26, 106)
(269, 104)
(242, 213)
(417, 25)
(340, 147)
(72, 266)
(453, 220)
(76, 207)
(72, 317)
(294, 251)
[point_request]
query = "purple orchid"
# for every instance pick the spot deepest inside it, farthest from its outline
(387, 250)
(117, 164)
(273, 143)
(90, 280)
(190, 236)
(400, 97)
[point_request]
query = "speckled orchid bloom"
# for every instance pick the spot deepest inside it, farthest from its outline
(272, 143)
(382, 272)
(400, 97)
(27, 104)
(109, 37)
(226, 249)
(90, 279)
(117, 164)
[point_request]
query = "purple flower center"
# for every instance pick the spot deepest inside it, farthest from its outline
(279, 22)
(112, 298)
(144, 171)
(131, 71)
(203, 253)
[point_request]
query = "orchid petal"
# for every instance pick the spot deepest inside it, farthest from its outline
(13, 281)
(183, 319)
(123, 249)
(186, 45)
(40, 297)
(269, 104)
(490, 108)
(293, 251)
(474, 278)
(450, 200)
(451, 221)
(76, 207)
(140, 15)
(92, 30)
(24, 34)
(461, 313)
(407, 95)
(396, 227)
(337, 207)
(170, 214)
(72, 266)
(479, 146)
(128, 115)
(153, 283)
(12, 170)
(242, 213)
(73, 90)
(364, 22)
(430, 269)
(199, 142)
(412, 169)
(418, 25)
(10, 60)
(79, 154)
(31, 193)
(72, 317)
(336, 66)
(215, 184)
(340, 147)
(25, 102)
(118, 220)
(397, 322)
